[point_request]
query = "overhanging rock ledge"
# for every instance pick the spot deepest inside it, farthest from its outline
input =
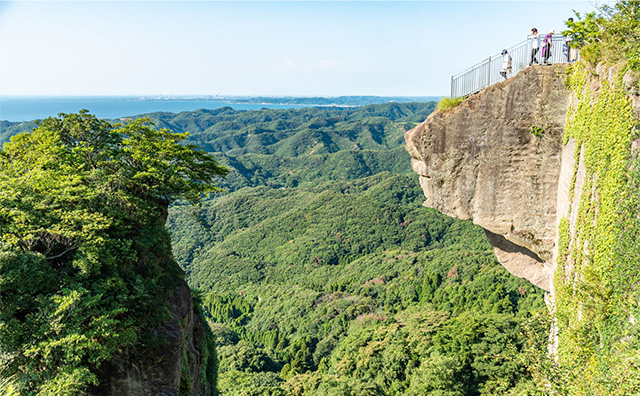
(496, 159)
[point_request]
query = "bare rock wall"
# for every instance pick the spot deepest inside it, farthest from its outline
(175, 367)
(496, 159)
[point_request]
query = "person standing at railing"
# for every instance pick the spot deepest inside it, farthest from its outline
(506, 64)
(546, 47)
(535, 46)
(572, 51)
(566, 46)
(573, 54)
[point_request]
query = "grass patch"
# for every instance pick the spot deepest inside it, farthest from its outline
(447, 104)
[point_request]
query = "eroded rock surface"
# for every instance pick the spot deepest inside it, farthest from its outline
(175, 367)
(496, 159)
(178, 358)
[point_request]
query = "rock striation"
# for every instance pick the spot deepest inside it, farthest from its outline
(496, 159)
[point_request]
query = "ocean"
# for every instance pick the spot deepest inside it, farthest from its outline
(17, 109)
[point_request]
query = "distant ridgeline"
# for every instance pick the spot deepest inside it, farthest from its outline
(281, 148)
(8, 129)
(352, 101)
(321, 272)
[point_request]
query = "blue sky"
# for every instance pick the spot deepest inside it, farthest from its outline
(257, 48)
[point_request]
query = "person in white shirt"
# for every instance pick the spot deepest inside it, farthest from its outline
(506, 64)
(567, 49)
(535, 46)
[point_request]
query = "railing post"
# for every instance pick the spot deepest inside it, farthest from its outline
(488, 72)
(452, 97)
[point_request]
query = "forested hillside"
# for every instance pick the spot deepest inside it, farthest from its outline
(319, 271)
(282, 148)
(322, 274)
(8, 129)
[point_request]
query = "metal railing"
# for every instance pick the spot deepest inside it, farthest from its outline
(487, 72)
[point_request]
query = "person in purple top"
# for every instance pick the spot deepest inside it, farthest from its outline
(546, 47)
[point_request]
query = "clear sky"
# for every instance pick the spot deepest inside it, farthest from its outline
(258, 48)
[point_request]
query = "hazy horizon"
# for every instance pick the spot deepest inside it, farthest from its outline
(28, 108)
(202, 96)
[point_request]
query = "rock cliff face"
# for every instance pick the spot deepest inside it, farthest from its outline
(178, 366)
(181, 361)
(497, 159)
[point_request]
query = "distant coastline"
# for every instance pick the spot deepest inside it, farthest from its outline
(28, 108)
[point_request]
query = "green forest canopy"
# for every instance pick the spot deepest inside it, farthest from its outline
(320, 272)
(321, 258)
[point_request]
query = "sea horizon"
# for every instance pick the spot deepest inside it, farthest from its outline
(23, 108)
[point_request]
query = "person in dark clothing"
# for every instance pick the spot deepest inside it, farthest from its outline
(546, 47)
(535, 46)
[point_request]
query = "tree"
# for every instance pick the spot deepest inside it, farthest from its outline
(85, 260)
(612, 34)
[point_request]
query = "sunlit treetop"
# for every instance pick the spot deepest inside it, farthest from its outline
(611, 34)
(76, 178)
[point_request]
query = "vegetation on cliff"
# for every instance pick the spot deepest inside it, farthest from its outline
(611, 34)
(597, 277)
(446, 104)
(85, 260)
(597, 270)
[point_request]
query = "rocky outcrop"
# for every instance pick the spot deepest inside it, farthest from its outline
(180, 359)
(179, 363)
(496, 159)
(176, 366)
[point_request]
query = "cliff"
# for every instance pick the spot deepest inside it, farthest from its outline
(181, 358)
(496, 159)
(548, 163)
(181, 364)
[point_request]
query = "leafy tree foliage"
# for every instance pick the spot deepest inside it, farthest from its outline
(84, 258)
(612, 34)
